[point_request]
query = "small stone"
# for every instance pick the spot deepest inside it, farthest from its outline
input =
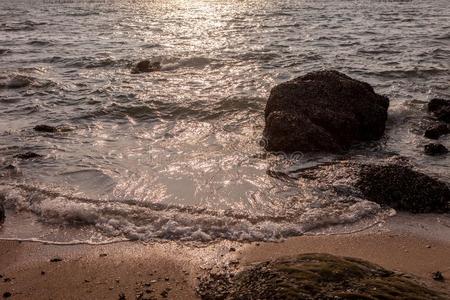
(164, 294)
(146, 66)
(438, 276)
(42, 272)
(434, 132)
(435, 149)
(45, 128)
(103, 254)
(27, 155)
(6, 295)
(428, 246)
(56, 259)
(232, 249)
(122, 296)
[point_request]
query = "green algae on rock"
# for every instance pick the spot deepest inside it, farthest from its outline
(315, 276)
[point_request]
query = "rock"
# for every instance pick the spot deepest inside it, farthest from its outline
(56, 259)
(18, 81)
(45, 128)
(146, 66)
(7, 294)
(2, 212)
(435, 131)
(440, 109)
(323, 111)
(404, 189)
(122, 296)
(438, 276)
(28, 155)
(315, 276)
(435, 149)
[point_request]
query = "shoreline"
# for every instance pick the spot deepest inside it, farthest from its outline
(171, 270)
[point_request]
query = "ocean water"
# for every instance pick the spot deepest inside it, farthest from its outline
(176, 154)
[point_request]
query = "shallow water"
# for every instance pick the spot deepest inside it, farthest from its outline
(175, 154)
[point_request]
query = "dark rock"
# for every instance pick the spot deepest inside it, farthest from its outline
(435, 131)
(2, 213)
(122, 296)
(45, 128)
(10, 167)
(438, 276)
(146, 66)
(28, 155)
(404, 189)
(440, 109)
(56, 259)
(103, 255)
(315, 276)
(7, 294)
(17, 82)
(435, 149)
(323, 111)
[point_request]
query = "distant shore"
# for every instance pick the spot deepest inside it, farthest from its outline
(171, 270)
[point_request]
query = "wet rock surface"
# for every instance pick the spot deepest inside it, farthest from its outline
(146, 66)
(323, 111)
(314, 276)
(440, 108)
(403, 189)
(435, 149)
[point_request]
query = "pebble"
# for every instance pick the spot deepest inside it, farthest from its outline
(438, 276)
(56, 259)
(6, 295)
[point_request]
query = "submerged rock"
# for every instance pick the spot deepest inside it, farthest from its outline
(323, 111)
(27, 155)
(435, 149)
(436, 131)
(146, 66)
(404, 189)
(16, 82)
(315, 276)
(45, 128)
(440, 109)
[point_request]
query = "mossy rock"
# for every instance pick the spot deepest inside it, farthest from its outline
(315, 276)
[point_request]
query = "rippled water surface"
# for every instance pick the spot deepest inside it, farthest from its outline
(175, 154)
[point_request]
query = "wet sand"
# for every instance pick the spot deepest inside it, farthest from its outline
(409, 244)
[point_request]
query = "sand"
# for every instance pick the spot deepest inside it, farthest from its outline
(170, 270)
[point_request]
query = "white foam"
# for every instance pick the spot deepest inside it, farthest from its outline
(134, 221)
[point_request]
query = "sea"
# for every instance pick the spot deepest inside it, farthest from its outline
(176, 154)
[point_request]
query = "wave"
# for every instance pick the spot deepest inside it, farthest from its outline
(138, 220)
(198, 110)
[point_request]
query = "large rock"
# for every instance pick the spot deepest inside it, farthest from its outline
(440, 108)
(404, 189)
(323, 111)
(315, 276)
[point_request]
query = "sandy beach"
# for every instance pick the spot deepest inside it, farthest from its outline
(171, 270)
